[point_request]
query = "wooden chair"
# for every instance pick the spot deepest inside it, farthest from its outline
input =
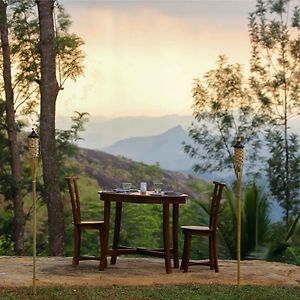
(210, 231)
(80, 225)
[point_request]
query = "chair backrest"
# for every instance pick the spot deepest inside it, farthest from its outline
(215, 204)
(74, 196)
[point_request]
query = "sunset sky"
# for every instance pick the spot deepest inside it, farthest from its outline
(142, 56)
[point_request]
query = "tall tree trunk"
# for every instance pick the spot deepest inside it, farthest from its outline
(19, 216)
(49, 91)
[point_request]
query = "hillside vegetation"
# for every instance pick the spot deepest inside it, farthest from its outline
(110, 171)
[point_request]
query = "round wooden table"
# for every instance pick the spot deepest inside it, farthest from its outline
(165, 200)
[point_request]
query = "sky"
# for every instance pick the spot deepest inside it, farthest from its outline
(142, 56)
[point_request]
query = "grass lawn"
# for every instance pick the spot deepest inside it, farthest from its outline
(168, 292)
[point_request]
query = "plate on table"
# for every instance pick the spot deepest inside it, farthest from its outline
(119, 190)
(171, 193)
(165, 193)
(156, 193)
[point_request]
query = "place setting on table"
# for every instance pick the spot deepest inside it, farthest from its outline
(157, 189)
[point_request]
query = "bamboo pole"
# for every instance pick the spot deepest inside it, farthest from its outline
(33, 151)
(238, 165)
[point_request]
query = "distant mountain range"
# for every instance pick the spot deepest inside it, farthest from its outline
(166, 149)
(102, 132)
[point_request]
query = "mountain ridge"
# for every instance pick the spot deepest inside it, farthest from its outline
(102, 131)
(166, 149)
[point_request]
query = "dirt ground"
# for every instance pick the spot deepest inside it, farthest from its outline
(17, 272)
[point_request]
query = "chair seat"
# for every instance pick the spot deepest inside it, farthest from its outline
(91, 223)
(196, 228)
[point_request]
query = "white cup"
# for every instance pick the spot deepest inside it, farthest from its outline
(143, 187)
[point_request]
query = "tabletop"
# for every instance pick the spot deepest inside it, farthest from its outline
(149, 197)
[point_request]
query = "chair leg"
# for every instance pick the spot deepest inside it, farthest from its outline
(77, 238)
(186, 252)
(101, 232)
(183, 260)
(211, 254)
(215, 254)
(100, 241)
(116, 239)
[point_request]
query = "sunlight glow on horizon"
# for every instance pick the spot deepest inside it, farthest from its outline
(140, 61)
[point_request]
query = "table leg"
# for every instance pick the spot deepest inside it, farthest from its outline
(166, 235)
(103, 258)
(117, 228)
(175, 235)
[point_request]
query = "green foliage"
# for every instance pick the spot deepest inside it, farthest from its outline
(6, 187)
(255, 221)
(227, 224)
(285, 246)
(223, 108)
(6, 229)
(284, 188)
(24, 31)
(141, 226)
(66, 145)
(5, 174)
(144, 172)
(199, 186)
(275, 57)
(68, 48)
(66, 149)
(275, 68)
(24, 38)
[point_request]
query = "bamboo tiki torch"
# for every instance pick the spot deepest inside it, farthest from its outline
(33, 142)
(238, 166)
